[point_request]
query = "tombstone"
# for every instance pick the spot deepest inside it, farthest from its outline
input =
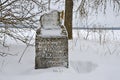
(51, 42)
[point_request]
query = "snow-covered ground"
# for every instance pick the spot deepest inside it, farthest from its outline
(93, 55)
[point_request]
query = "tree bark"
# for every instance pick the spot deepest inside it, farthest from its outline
(68, 17)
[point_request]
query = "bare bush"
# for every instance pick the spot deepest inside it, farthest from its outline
(19, 14)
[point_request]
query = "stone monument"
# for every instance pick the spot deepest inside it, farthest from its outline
(51, 43)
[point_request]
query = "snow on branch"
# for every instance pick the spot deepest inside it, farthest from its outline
(87, 6)
(3, 54)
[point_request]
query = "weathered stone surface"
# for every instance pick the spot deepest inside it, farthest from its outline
(51, 50)
(51, 20)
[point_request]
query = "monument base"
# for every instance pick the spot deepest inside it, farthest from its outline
(51, 52)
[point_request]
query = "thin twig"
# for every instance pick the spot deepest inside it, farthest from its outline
(27, 45)
(3, 54)
(23, 53)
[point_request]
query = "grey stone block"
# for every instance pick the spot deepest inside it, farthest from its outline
(51, 50)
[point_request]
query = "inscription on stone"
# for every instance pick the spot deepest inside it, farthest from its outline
(51, 51)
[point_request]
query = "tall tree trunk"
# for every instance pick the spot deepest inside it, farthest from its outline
(68, 17)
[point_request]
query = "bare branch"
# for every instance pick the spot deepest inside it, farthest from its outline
(3, 54)
(4, 2)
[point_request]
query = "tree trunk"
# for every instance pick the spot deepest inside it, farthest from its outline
(68, 17)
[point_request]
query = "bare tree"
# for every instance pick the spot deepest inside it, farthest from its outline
(26, 13)
(19, 13)
(85, 7)
(68, 17)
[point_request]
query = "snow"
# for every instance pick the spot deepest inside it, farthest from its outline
(93, 55)
(89, 59)
(51, 33)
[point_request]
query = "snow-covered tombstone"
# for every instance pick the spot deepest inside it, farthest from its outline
(50, 21)
(51, 43)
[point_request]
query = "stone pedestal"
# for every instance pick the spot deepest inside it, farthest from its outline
(51, 43)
